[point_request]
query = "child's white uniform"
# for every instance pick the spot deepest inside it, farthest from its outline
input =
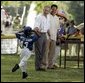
(24, 56)
(27, 44)
(26, 39)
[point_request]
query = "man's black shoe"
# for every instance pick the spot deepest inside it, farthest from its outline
(24, 75)
(41, 69)
(15, 68)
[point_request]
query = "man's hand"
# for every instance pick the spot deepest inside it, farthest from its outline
(48, 33)
(37, 31)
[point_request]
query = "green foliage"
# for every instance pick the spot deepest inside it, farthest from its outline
(41, 4)
(73, 9)
(15, 7)
(76, 9)
(10, 3)
(15, 3)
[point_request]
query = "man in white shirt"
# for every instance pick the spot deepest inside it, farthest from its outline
(54, 26)
(42, 25)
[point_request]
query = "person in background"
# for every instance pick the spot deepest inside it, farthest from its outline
(16, 22)
(80, 33)
(3, 18)
(8, 23)
(61, 31)
(82, 46)
(71, 31)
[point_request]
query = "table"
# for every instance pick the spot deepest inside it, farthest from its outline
(71, 41)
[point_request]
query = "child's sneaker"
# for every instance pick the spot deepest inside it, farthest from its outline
(24, 75)
(15, 68)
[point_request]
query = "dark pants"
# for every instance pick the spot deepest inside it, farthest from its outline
(40, 48)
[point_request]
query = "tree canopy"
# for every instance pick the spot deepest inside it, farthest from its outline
(73, 9)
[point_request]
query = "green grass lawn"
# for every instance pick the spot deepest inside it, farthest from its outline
(70, 74)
